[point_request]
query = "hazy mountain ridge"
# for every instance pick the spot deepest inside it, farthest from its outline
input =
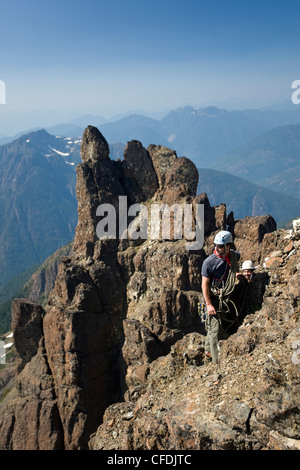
(268, 159)
(188, 126)
(245, 198)
(37, 199)
(287, 182)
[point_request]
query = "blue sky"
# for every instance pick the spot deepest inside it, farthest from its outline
(61, 59)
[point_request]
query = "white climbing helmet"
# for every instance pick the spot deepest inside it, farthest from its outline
(248, 265)
(223, 238)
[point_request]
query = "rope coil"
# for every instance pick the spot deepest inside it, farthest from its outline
(224, 293)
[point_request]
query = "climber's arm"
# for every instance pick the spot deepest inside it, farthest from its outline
(206, 294)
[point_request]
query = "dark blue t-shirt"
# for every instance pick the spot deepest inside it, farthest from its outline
(216, 269)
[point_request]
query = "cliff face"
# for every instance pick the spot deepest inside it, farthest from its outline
(249, 401)
(120, 339)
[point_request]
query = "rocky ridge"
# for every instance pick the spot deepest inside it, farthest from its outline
(115, 360)
(249, 401)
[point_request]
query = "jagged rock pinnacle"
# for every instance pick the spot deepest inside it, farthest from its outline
(94, 146)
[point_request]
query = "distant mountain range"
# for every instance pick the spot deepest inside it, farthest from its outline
(271, 159)
(243, 161)
(38, 209)
(247, 199)
(202, 134)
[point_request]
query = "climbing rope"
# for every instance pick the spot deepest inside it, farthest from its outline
(224, 293)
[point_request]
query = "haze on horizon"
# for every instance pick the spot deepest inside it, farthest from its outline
(62, 59)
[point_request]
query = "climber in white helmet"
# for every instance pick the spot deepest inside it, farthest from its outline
(256, 283)
(218, 283)
(247, 270)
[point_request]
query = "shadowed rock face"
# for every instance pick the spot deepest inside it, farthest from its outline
(118, 308)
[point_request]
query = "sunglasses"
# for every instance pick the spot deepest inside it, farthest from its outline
(219, 246)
